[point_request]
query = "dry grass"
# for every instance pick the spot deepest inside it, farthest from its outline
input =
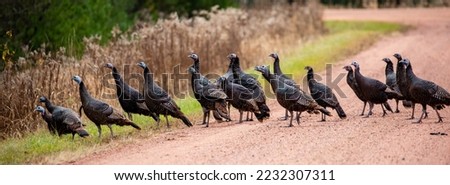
(252, 34)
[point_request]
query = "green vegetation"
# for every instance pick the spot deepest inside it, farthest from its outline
(343, 40)
(64, 23)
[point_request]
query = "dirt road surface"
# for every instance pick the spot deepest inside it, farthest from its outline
(355, 140)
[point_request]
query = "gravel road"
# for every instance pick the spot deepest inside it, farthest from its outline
(376, 140)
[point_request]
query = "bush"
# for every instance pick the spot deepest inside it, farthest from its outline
(64, 22)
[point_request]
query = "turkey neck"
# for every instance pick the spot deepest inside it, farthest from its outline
(350, 74)
(84, 94)
(195, 76)
(236, 69)
(266, 75)
(359, 76)
(118, 79)
(49, 105)
(276, 67)
(400, 75)
(148, 78)
(272, 80)
(197, 65)
(357, 73)
(410, 76)
(389, 68)
(310, 76)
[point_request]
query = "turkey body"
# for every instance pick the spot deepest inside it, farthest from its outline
(129, 98)
(290, 97)
(210, 97)
(65, 120)
(251, 84)
(372, 90)
(323, 95)
(158, 101)
(425, 92)
(100, 112)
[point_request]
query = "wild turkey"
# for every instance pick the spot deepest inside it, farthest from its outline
(157, 99)
(130, 99)
(323, 95)
(250, 83)
(209, 96)
(241, 98)
(218, 116)
(100, 112)
(373, 91)
(47, 117)
(289, 97)
(277, 71)
(66, 120)
(354, 86)
(403, 86)
(229, 76)
(357, 90)
(391, 82)
(425, 92)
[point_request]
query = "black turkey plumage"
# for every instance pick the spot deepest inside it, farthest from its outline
(210, 97)
(391, 82)
(241, 98)
(47, 117)
(250, 83)
(402, 84)
(357, 90)
(425, 92)
(323, 95)
(66, 120)
(100, 112)
(228, 76)
(354, 86)
(290, 97)
(287, 80)
(373, 91)
(202, 80)
(130, 99)
(157, 99)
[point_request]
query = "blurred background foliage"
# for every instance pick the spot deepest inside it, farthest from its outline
(64, 23)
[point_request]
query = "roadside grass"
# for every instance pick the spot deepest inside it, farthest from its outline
(344, 38)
